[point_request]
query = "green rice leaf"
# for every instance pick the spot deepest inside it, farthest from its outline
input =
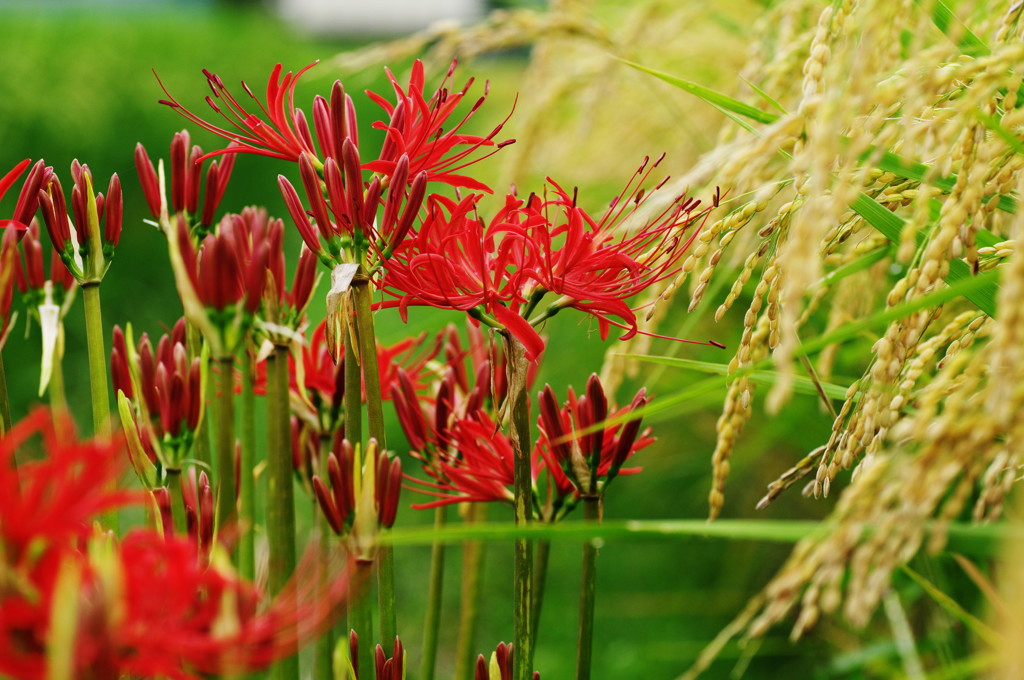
(710, 96)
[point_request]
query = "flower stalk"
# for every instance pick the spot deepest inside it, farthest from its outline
(246, 482)
(588, 582)
(472, 567)
(517, 368)
(224, 449)
(5, 404)
(97, 358)
(432, 621)
(540, 577)
(280, 505)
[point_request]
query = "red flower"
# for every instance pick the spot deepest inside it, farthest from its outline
(419, 128)
(28, 198)
(500, 272)
(54, 499)
(281, 131)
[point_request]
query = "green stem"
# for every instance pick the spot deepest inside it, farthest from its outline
(523, 491)
(246, 482)
(177, 502)
(194, 344)
(98, 375)
(588, 581)
(55, 390)
(5, 404)
(323, 654)
(540, 577)
(97, 359)
(280, 500)
(227, 511)
(386, 595)
(432, 623)
(469, 610)
(353, 399)
(368, 359)
(360, 616)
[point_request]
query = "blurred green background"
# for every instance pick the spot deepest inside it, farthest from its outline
(76, 81)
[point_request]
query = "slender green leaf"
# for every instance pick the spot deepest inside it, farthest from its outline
(765, 96)
(710, 96)
(951, 25)
(979, 627)
(982, 540)
(993, 124)
(890, 225)
(801, 384)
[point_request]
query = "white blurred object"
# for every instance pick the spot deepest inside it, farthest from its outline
(379, 17)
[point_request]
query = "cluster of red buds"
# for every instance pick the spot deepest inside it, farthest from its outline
(88, 248)
(165, 388)
(581, 448)
(362, 496)
(186, 181)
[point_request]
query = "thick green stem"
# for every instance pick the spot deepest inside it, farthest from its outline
(97, 359)
(177, 502)
(540, 577)
(280, 500)
(201, 448)
(246, 482)
(5, 403)
(523, 491)
(360, 615)
(469, 609)
(386, 595)
(432, 623)
(353, 399)
(588, 582)
(227, 511)
(368, 359)
(98, 375)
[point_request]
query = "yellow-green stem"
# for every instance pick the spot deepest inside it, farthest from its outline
(432, 622)
(227, 511)
(280, 500)
(177, 502)
(246, 482)
(97, 359)
(55, 390)
(469, 609)
(98, 374)
(588, 582)
(368, 359)
(360, 615)
(194, 344)
(353, 399)
(523, 492)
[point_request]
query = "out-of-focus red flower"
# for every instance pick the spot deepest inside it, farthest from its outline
(500, 665)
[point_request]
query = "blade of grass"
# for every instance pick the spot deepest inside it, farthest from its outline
(710, 96)
(976, 625)
(950, 24)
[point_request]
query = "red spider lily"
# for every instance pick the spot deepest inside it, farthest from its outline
(186, 180)
(228, 270)
(7, 259)
(31, 278)
(582, 453)
(195, 621)
(28, 198)
(390, 668)
(362, 495)
(99, 220)
(419, 128)
(167, 390)
(281, 132)
(500, 272)
(54, 499)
